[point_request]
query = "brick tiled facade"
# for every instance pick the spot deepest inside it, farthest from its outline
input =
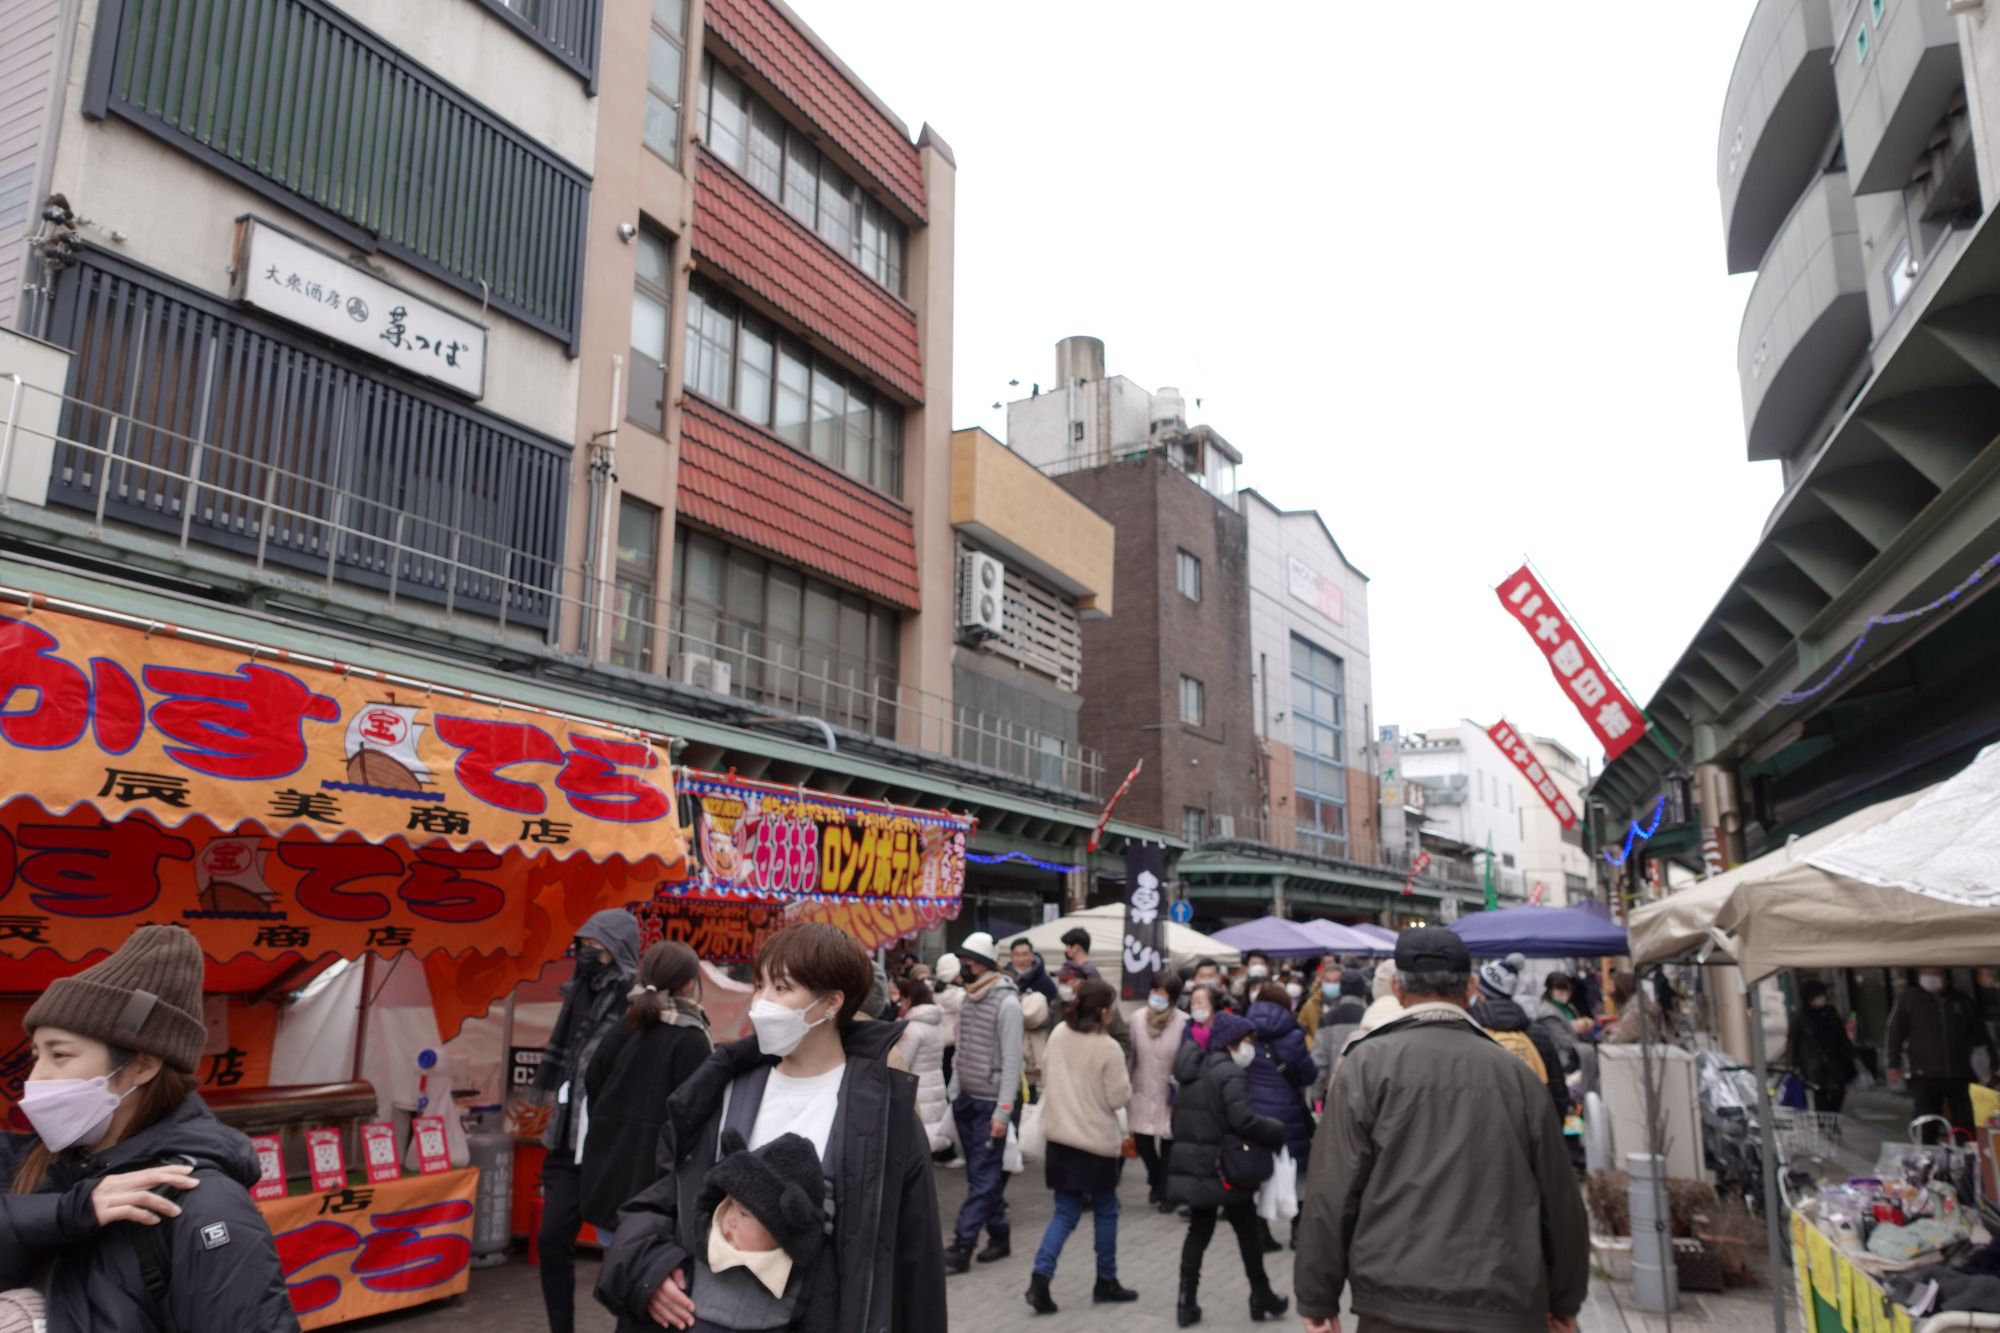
(742, 483)
(745, 236)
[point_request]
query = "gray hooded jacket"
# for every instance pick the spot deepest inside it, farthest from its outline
(592, 1001)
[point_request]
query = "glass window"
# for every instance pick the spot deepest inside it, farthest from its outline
(753, 372)
(638, 533)
(836, 208)
(1194, 823)
(1899, 273)
(794, 394)
(638, 544)
(725, 121)
(829, 405)
(663, 85)
(1192, 706)
(860, 434)
(711, 345)
(889, 448)
(766, 168)
(646, 379)
(1318, 776)
(1188, 575)
(801, 179)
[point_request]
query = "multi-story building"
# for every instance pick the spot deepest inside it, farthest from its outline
(1555, 868)
(1472, 805)
(1855, 168)
(585, 348)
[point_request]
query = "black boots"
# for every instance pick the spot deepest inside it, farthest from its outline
(999, 1244)
(1267, 1303)
(1039, 1299)
(1187, 1312)
(1107, 1289)
(957, 1255)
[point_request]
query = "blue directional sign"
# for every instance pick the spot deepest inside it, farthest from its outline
(1181, 912)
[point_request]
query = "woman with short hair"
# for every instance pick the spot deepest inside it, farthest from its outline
(1084, 1087)
(1156, 1036)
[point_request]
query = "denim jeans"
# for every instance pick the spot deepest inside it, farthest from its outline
(985, 1202)
(1069, 1210)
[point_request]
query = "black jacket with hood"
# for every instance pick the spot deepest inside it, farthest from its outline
(1213, 1102)
(887, 1255)
(594, 1000)
(222, 1265)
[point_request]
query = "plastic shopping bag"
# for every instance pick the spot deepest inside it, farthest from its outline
(1279, 1196)
(1010, 1158)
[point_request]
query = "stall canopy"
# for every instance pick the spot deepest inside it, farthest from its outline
(1380, 934)
(1106, 927)
(1344, 939)
(1541, 932)
(1679, 925)
(1275, 935)
(288, 809)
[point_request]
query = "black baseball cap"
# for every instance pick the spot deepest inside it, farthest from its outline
(1432, 949)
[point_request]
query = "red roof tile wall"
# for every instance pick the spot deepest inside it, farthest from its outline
(754, 241)
(781, 53)
(742, 483)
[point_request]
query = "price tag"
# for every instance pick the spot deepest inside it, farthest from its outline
(323, 1155)
(432, 1155)
(378, 1152)
(270, 1167)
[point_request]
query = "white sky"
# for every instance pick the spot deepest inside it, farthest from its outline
(1450, 272)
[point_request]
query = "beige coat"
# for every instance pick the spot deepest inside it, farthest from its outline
(1084, 1086)
(1153, 1072)
(1037, 1021)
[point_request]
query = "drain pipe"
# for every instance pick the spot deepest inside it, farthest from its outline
(820, 722)
(597, 518)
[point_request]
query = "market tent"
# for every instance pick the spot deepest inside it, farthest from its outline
(1676, 926)
(1106, 927)
(1344, 939)
(1802, 916)
(1945, 845)
(1541, 932)
(1381, 934)
(1275, 936)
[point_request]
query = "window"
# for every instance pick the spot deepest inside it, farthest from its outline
(646, 378)
(1507, 860)
(1861, 44)
(1319, 774)
(1194, 823)
(738, 361)
(1875, 8)
(1187, 571)
(632, 596)
(1192, 710)
(663, 79)
(783, 164)
(1576, 885)
(1901, 273)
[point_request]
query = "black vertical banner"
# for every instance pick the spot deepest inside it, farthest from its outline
(1145, 951)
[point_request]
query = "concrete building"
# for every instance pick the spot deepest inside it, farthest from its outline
(629, 383)
(1555, 868)
(1472, 805)
(1855, 168)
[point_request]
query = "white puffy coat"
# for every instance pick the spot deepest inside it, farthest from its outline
(923, 1051)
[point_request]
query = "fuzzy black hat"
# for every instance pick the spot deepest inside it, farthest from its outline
(780, 1184)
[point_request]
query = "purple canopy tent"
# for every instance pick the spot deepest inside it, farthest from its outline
(1344, 939)
(1541, 932)
(1381, 934)
(1275, 936)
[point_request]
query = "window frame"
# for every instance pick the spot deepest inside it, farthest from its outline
(1185, 563)
(1199, 697)
(630, 574)
(642, 286)
(1194, 824)
(1317, 839)
(658, 31)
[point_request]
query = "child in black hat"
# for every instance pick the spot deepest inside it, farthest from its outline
(764, 1217)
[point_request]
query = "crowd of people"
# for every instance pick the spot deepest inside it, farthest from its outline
(787, 1180)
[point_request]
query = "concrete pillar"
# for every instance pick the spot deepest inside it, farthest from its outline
(1732, 1011)
(1721, 815)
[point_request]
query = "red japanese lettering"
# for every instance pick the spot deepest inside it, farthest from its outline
(117, 713)
(591, 780)
(492, 746)
(436, 891)
(307, 1245)
(101, 870)
(62, 693)
(398, 1257)
(249, 726)
(330, 867)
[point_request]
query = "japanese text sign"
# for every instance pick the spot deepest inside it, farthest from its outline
(171, 728)
(1510, 743)
(1308, 585)
(378, 1152)
(427, 1132)
(324, 1157)
(1611, 715)
(719, 930)
(368, 1249)
(270, 1152)
(1145, 953)
(305, 285)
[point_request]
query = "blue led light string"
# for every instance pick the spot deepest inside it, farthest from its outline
(1790, 697)
(1023, 858)
(1637, 834)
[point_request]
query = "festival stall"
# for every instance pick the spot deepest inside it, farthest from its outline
(296, 814)
(1274, 935)
(1540, 932)
(1185, 946)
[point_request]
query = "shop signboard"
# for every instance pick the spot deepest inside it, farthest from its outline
(1145, 951)
(270, 1152)
(364, 1250)
(1610, 713)
(378, 1152)
(325, 1158)
(717, 929)
(427, 1135)
(1308, 585)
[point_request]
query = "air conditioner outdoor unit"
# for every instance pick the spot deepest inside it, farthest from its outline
(1225, 826)
(703, 672)
(982, 583)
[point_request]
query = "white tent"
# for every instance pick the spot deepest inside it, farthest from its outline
(1106, 926)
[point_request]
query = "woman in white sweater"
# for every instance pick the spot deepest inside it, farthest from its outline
(1084, 1086)
(1157, 1031)
(923, 1052)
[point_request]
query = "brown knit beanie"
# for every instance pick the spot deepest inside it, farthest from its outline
(146, 997)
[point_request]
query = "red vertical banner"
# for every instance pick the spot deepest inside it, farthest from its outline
(1609, 712)
(1502, 734)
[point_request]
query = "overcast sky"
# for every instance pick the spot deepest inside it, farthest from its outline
(1451, 273)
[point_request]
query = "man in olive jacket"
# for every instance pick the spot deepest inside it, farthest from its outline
(1440, 1187)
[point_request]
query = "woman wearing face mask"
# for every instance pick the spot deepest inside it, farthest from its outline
(137, 1194)
(811, 1070)
(1156, 1038)
(1343, 1004)
(923, 1055)
(1817, 1046)
(642, 1063)
(1205, 1004)
(1213, 1103)
(607, 956)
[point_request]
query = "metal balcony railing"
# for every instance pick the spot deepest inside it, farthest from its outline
(420, 567)
(1250, 827)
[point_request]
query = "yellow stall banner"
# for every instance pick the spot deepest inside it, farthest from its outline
(1819, 1255)
(369, 1249)
(1801, 1271)
(1845, 1282)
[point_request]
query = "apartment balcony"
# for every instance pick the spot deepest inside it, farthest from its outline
(1897, 71)
(1777, 123)
(1806, 322)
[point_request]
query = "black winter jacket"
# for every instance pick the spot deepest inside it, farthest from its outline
(1214, 1101)
(1818, 1049)
(1504, 1015)
(887, 1254)
(222, 1265)
(1939, 1032)
(628, 1082)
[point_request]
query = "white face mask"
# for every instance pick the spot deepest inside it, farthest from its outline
(68, 1111)
(1294, 989)
(780, 1028)
(1243, 1055)
(1157, 1001)
(1065, 993)
(1200, 1013)
(1258, 971)
(1931, 983)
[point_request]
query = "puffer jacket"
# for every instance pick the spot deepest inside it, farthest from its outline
(1151, 1110)
(1553, 1019)
(1503, 1015)
(923, 1053)
(1440, 1187)
(1213, 1101)
(1280, 1093)
(222, 1265)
